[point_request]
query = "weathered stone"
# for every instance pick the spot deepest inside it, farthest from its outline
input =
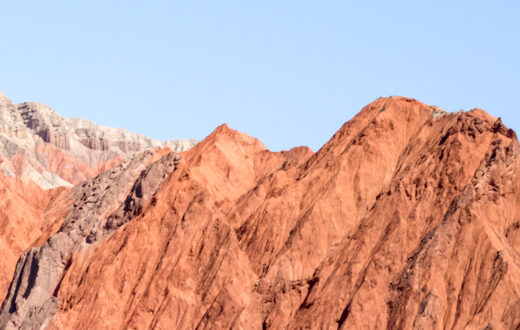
(401, 220)
(55, 151)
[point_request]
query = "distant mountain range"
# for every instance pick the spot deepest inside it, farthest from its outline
(38, 144)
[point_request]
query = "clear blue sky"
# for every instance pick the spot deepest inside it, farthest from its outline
(288, 72)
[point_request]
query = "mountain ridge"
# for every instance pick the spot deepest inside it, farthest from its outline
(406, 218)
(34, 135)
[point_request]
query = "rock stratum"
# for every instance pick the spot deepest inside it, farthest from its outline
(38, 144)
(409, 217)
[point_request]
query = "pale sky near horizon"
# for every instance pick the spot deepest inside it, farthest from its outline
(288, 72)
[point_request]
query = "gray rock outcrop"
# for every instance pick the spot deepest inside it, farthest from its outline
(31, 300)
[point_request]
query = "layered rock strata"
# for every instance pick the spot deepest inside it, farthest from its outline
(406, 218)
(38, 144)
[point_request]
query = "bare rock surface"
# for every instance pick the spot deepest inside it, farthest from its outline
(38, 144)
(407, 218)
(40, 270)
(27, 214)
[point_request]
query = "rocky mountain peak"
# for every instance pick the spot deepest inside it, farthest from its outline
(407, 218)
(4, 99)
(52, 150)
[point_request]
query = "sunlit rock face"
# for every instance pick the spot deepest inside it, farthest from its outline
(38, 144)
(409, 217)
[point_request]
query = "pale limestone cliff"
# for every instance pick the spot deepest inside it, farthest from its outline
(38, 144)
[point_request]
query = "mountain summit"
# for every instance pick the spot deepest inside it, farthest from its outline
(38, 144)
(409, 217)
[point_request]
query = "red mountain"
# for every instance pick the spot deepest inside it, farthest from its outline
(409, 217)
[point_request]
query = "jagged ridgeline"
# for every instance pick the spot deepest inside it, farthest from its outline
(409, 217)
(38, 144)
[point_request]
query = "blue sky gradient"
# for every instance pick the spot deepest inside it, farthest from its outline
(288, 72)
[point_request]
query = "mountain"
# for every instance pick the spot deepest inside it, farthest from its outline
(407, 218)
(38, 144)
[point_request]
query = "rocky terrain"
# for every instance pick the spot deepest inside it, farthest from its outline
(409, 217)
(38, 144)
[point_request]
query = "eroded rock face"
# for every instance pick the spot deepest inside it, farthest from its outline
(407, 218)
(27, 214)
(54, 151)
(40, 270)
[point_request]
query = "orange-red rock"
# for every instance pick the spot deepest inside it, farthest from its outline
(407, 218)
(27, 214)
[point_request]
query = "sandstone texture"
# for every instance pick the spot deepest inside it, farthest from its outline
(408, 218)
(38, 144)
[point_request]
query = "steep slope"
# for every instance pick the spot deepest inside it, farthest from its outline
(27, 213)
(38, 144)
(407, 218)
(183, 232)
(98, 215)
(373, 270)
